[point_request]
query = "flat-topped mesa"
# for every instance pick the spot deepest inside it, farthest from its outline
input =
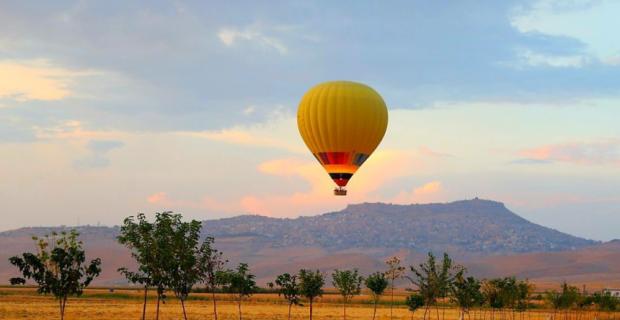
(473, 203)
(475, 226)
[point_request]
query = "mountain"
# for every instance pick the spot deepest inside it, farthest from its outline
(473, 226)
(484, 235)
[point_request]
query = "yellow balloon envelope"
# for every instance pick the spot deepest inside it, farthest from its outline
(342, 123)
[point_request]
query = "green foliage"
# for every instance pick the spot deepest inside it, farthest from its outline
(58, 267)
(434, 280)
(186, 268)
(288, 287)
(414, 302)
(347, 282)
(239, 281)
(466, 292)
(524, 292)
(311, 283)
(506, 292)
(212, 262)
(606, 301)
(565, 299)
(376, 283)
(137, 234)
(168, 253)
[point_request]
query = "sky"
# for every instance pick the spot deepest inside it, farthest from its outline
(109, 108)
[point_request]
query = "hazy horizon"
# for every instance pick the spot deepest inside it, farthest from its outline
(110, 108)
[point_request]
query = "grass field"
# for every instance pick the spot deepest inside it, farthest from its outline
(126, 304)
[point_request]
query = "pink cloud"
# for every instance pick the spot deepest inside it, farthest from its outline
(383, 167)
(162, 200)
(604, 152)
(429, 192)
(316, 196)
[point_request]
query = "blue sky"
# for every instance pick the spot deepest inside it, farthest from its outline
(109, 108)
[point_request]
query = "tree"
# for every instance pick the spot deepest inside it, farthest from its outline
(138, 237)
(563, 300)
(288, 287)
(186, 269)
(376, 283)
(154, 246)
(506, 292)
(434, 280)
(605, 301)
(240, 282)
(311, 285)
(349, 284)
(395, 271)
(524, 291)
(414, 302)
(58, 267)
(164, 264)
(466, 293)
(212, 262)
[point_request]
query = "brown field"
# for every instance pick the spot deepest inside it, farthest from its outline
(126, 304)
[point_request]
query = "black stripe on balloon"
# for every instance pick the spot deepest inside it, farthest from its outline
(339, 176)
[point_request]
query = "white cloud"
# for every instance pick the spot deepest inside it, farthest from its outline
(249, 110)
(537, 59)
(591, 22)
(230, 36)
(34, 80)
(278, 132)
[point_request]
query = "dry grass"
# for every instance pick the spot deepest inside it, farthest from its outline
(126, 304)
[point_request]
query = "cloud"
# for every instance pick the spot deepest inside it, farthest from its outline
(163, 200)
(562, 18)
(230, 36)
(13, 131)
(426, 193)
(279, 131)
(531, 58)
(381, 168)
(98, 154)
(531, 161)
(34, 80)
(603, 152)
(249, 110)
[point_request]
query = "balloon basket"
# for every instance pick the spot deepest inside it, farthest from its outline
(340, 191)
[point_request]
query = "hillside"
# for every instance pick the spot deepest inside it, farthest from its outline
(473, 226)
(483, 235)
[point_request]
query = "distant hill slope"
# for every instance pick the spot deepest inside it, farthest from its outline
(474, 226)
(483, 235)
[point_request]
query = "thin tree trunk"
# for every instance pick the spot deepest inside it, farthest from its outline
(183, 306)
(144, 304)
(392, 301)
(157, 311)
(62, 312)
(214, 304)
(425, 312)
(290, 305)
(344, 310)
(311, 309)
(437, 311)
(64, 307)
(374, 311)
(239, 305)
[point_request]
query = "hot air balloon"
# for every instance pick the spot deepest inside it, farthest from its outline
(342, 123)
